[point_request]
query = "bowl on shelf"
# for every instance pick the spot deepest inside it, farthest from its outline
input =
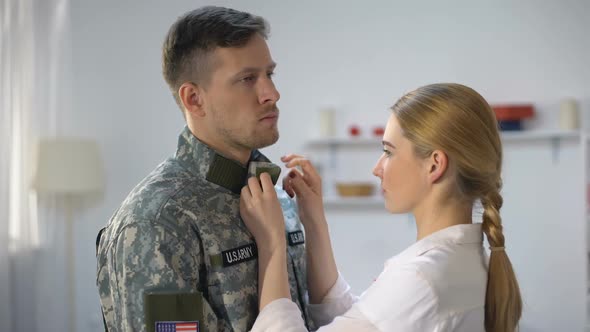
(355, 189)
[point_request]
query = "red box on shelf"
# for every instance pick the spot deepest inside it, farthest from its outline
(513, 112)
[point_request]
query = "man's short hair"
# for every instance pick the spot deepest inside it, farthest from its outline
(192, 38)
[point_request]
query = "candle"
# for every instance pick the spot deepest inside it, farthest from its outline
(326, 123)
(568, 114)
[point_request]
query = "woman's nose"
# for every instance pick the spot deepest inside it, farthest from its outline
(377, 170)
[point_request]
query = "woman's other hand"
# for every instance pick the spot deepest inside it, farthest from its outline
(261, 211)
(306, 186)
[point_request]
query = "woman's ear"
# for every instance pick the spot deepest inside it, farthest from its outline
(190, 95)
(438, 164)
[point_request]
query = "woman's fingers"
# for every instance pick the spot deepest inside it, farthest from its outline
(302, 162)
(288, 187)
(287, 158)
(299, 185)
(246, 194)
(266, 182)
(293, 160)
(245, 202)
(254, 186)
(310, 175)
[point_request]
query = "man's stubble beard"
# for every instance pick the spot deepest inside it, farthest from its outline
(252, 140)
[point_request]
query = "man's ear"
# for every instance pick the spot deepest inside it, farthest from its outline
(191, 96)
(438, 163)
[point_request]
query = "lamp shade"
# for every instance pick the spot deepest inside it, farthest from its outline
(68, 166)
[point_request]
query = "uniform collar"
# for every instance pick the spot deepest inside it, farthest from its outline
(203, 161)
(454, 235)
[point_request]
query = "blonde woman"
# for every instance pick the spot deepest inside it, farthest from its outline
(441, 154)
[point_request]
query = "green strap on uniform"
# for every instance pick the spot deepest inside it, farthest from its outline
(227, 173)
(231, 175)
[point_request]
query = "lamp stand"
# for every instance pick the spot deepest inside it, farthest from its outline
(71, 256)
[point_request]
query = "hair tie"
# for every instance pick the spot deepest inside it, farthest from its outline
(497, 248)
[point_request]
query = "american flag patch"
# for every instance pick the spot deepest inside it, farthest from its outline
(177, 326)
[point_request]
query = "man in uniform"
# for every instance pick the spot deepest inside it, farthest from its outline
(176, 253)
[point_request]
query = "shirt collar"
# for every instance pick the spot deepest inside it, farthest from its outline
(453, 235)
(203, 161)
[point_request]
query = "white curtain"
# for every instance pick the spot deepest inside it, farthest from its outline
(34, 90)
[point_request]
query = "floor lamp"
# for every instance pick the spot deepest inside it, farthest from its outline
(69, 168)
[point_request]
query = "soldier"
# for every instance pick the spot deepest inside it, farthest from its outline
(176, 253)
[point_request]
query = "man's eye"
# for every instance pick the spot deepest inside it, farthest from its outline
(270, 74)
(248, 79)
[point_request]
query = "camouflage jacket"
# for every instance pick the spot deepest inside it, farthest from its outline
(180, 231)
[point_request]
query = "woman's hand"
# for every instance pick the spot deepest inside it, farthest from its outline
(307, 187)
(321, 266)
(261, 211)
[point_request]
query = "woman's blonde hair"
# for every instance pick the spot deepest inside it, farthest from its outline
(457, 120)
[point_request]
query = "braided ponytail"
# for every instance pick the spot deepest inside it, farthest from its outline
(503, 306)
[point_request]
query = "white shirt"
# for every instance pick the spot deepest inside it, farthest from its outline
(437, 284)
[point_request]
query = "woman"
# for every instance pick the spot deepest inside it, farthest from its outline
(441, 154)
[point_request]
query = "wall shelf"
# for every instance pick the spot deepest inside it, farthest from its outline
(371, 201)
(554, 136)
(533, 135)
(343, 141)
(507, 136)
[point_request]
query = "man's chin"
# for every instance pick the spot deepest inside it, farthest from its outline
(267, 141)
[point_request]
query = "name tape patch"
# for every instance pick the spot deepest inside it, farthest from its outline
(239, 254)
(295, 238)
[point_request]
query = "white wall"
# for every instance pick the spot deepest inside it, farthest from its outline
(359, 57)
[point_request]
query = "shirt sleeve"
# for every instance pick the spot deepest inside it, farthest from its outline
(336, 310)
(401, 299)
(147, 257)
(284, 315)
(280, 315)
(338, 300)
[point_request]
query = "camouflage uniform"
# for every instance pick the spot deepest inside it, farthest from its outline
(179, 231)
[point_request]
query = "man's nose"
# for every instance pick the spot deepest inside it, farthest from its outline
(268, 92)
